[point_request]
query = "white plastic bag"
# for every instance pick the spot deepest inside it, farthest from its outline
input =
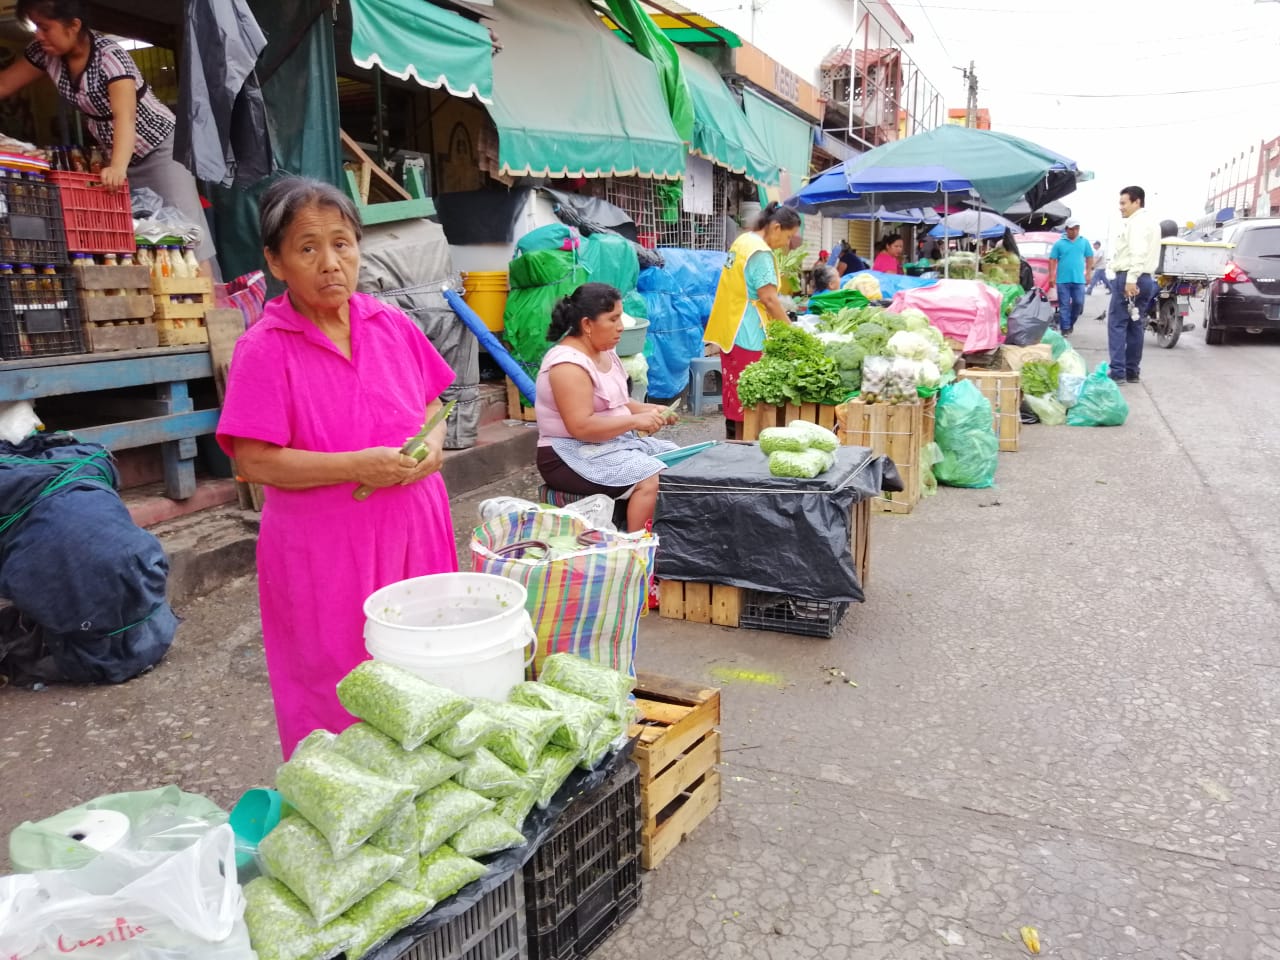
(131, 906)
(18, 421)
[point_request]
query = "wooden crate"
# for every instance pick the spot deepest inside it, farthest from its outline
(1003, 388)
(514, 410)
(677, 750)
(892, 430)
(120, 320)
(700, 602)
(182, 298)
(755, 419)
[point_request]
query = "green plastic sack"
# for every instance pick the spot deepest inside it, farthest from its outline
(1057, 342)
(522, 733)
(1049, 409)
(488, 776)
(299, 857)
(424, 767)
(401, 837)
(965, 436)
(405, 707)
(598, 683)
(553, 769)
(1101, 403)
(444, 811)
(467, 735)
(581, 716)
(444, 872)
(486, 834)
(281, 927)
(930, 457)
(611, 259)
(160, 820)
(381, 915)
(538, 280)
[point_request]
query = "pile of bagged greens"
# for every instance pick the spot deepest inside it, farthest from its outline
(800, 449)
(389, 818)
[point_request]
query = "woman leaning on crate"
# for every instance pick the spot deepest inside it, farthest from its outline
(99, 78)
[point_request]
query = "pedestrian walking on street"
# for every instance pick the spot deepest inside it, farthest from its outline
(1070, 264)
(323, 391)
(1099, 278)
(1134, 262)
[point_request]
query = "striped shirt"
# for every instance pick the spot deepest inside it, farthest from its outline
(108, 63)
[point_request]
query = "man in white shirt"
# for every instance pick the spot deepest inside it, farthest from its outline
(1134, 262)
(1099, 278)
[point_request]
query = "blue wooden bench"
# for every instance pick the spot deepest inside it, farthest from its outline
(169, 420)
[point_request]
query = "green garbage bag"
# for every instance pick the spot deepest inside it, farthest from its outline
(1056, 341)
(1101, 403)
(611, 259)
(965, 435)
(538, 280)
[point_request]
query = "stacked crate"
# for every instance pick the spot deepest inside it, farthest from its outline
(1003, 389)
(116, 304)
(181, 305)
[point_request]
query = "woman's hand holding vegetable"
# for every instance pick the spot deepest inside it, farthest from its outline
(379, 467)
(651, 420)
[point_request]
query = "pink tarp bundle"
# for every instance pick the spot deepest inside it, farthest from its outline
(967, 311)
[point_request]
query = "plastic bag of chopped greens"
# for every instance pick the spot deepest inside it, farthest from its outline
(596, 682)
(488, 776)
(818, 438)
(299, 857)
(344, 801)
(522, 733)
(486, 834)
(401, 837)
(281, 926)
(445, 810)
(804, 466)
(405, 707)
(773, 439)
(603, 742)
(467, 734)
(1050, 411)
(381, 915)
(581, 716)
(444, 872)
(424, 767)
(554, 767)
(515, 808)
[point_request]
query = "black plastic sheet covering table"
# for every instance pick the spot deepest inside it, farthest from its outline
(539, 825)
(723, 518)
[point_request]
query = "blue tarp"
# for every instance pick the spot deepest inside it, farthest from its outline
(88, 582)
(679, 297)
(890, 283)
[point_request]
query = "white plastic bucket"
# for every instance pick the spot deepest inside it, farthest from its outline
(468, 632)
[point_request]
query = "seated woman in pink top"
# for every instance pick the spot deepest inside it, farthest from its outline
(322, 393)
(587, 423)
(889, 259)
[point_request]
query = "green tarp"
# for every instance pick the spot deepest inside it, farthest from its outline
(787, 138)
(661, 52)
(411, 39)
(721, 132)
(571, 99)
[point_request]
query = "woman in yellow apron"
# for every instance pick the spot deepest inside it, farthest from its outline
(746, 297)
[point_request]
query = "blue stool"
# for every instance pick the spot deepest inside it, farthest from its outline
(699, 369)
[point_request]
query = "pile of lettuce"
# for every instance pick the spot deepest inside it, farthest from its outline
(850, 336)
(794, 369)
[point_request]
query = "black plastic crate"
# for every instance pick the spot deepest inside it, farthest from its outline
(785, 613)
(492, 929)
(39, 316)
(584, 881)
(31, 227)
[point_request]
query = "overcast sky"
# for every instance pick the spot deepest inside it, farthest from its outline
(1152, 92)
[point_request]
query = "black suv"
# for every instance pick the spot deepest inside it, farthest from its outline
(1247, 296)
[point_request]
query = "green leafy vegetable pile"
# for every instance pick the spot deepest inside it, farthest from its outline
(1040, 379)
(794, 369)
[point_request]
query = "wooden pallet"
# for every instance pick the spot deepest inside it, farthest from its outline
(514, 410)
(677, 750)
(700, 602)
(755, 419)
(120, 320)
(893, 430)
(1003, 389)
(182, 298)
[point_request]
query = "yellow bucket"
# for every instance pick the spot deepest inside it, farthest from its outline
(486, 293)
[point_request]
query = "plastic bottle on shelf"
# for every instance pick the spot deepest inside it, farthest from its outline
(193, 265)
(96, 162)
(164, 266)
(85, 260)
(51, 287)
(144, 257)
(127, 260)
(78, 162)
(180, 266)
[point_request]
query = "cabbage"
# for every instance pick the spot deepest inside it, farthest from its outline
(915, 319)
(930, 375)
(911, 346)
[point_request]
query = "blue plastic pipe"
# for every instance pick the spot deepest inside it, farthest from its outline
(491, 343)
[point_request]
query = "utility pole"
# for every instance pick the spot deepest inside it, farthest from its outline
(971, 106)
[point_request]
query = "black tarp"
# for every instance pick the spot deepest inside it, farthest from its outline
(481, 216)
(722, 517)
(76, 566)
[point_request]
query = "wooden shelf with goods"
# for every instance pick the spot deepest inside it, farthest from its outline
(893, 430)
(515, 411)
(677, 751)
(116, 306)
(181, 303)
(1003, 388)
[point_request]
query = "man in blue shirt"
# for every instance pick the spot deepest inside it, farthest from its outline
(1070, 265)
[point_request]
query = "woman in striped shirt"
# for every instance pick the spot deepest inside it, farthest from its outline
(98, 77)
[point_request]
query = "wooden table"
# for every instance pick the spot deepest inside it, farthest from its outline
(169, 420)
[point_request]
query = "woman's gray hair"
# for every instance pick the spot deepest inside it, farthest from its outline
(822, 277)
(287, 197)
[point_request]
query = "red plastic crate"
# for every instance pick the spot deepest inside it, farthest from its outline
(98, 220)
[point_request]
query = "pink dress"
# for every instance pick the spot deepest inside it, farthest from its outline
(320, 552)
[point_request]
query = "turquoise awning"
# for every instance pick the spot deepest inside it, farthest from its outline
(787, 138)
(571, 99)
(721, 132)
(416, 40)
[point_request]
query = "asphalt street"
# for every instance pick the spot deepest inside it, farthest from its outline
(1064, 714)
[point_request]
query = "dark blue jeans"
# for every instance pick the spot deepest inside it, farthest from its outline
(1124, 334)
(1099, 279)
(1070, 304)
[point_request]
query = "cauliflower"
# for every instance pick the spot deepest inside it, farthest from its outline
(911, 345)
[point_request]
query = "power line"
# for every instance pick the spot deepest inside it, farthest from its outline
(1120, 127)
(929, 20)
(1063, 95)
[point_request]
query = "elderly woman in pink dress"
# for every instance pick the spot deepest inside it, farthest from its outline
(323, 392)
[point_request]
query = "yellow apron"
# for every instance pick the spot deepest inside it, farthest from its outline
(732, 298)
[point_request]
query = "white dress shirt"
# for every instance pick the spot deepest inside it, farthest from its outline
(1137, 249)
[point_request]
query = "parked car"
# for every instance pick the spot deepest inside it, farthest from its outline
(1247, 295)
(1034, 248)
